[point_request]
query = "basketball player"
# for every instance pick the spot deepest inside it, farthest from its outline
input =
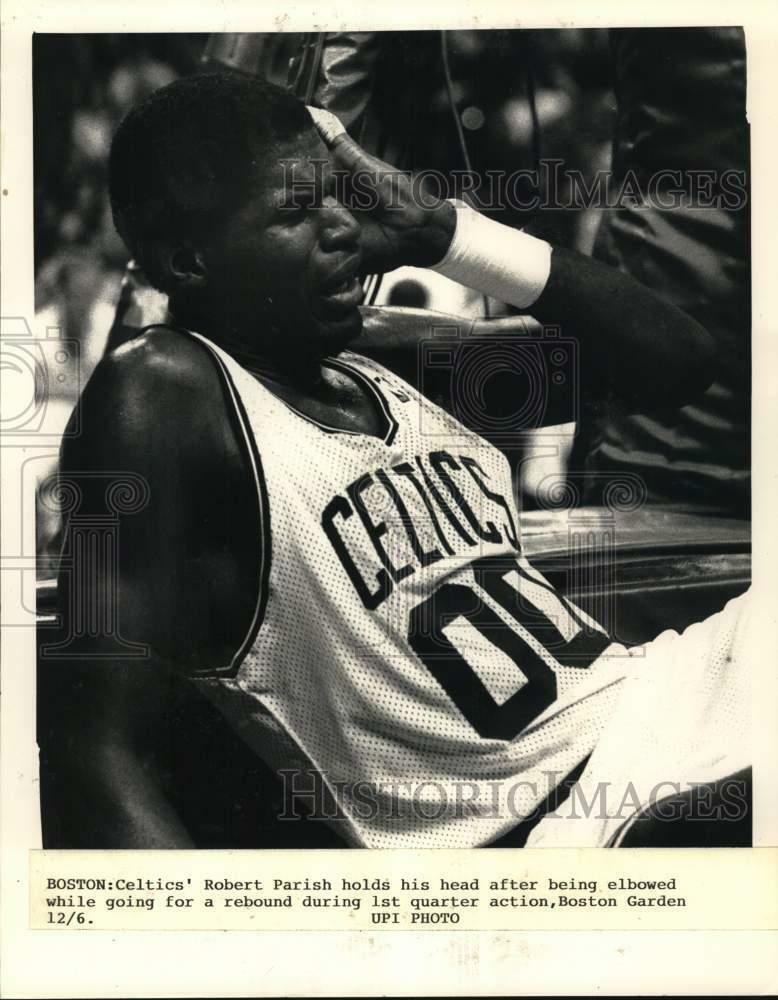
(331, 557)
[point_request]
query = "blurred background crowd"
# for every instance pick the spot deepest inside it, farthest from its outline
(83, 86)
(487, 101)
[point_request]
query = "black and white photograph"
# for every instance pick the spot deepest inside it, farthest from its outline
(381, 456)
(403, 494)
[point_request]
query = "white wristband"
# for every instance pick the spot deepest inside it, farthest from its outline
(504, 263)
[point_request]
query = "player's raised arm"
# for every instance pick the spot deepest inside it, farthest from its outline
(633, 346)
(178, 584)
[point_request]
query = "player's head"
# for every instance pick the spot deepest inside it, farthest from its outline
(221, 189)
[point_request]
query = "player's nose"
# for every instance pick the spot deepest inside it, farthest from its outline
(339, 228)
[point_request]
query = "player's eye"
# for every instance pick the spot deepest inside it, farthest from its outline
(297, 208)
(292, 215)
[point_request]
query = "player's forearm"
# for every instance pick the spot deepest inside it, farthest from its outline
(632, 344)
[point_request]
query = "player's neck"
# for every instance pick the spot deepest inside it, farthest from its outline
(306, 381)
(298, 379)
(296, 375)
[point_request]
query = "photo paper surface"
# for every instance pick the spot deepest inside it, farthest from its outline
(377, 471)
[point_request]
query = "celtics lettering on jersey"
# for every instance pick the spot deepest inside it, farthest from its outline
(430, 517)
(418, 479)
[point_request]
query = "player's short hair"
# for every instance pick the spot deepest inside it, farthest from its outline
(182, 158)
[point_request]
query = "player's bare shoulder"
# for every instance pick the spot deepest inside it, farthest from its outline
(156, 408)
(163, 352)
(156, 395)
(158, 367)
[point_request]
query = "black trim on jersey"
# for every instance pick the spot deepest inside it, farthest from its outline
(392, 425)
(263, 511)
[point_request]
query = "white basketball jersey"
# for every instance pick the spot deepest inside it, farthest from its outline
(405, 661)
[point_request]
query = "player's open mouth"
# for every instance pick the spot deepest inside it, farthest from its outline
(343, 296)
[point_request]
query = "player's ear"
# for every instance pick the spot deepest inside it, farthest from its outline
(173, 265)
(186, 266)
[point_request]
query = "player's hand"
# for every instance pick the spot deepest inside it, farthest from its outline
(401, 221)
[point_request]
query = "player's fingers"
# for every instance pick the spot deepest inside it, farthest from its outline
(348, 152)
(375, 175)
